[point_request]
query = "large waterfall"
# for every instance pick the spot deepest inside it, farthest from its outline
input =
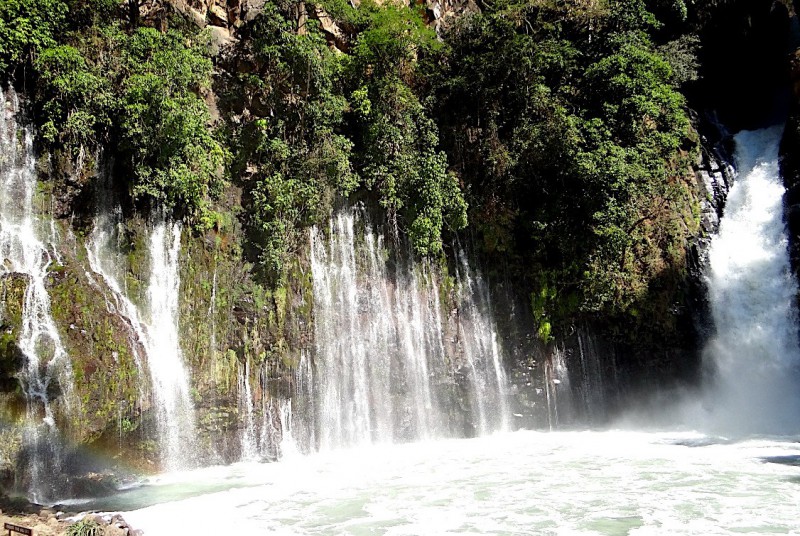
(385, 367)
(26, 255)
(755, 354)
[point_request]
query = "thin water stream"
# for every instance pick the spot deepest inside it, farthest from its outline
(154, 326)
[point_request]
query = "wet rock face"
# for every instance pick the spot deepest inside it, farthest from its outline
(12, 291)
(790, 170)
(441, 12)
(790, 160)
(714, 173)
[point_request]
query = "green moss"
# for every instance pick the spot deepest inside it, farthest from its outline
(106, 377)
(12, 290)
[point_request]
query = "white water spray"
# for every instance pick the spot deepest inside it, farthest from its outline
(288, 444)
(154, 327)
(557, 388)
(755, 353)
(106, 260)
(354, 331)
(249, 443)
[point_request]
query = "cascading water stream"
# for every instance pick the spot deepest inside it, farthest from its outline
(755, 354)
(382, 371)
(354, 334)
(175, 412)
(557, 388)
(479, 339)
(154, 327)
(106, 260)
(24, 254)
(249, 443)
(288, 444)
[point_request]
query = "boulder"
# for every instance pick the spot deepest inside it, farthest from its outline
(217, 15)
(251, 9)
(221, 37)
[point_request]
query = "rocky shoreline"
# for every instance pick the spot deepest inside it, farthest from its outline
(46, 521)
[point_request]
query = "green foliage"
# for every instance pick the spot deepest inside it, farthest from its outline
(400, 160)
(164, 124)
(681, 53)
(138, 93)
(85, 527)
(390, 38)
(573, 158)
(80, 100)
(88, 13)
(27, 27)
(398, 151)
(299, 155)
(541, 301)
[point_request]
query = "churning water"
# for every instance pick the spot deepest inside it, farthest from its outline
(514, 483)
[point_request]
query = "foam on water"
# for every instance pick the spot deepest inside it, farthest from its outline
(519, 483)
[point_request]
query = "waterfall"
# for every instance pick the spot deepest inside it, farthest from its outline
(154, 327)
(479, 338)
(557, 388)
(754, 355)
(174, 411)
(383, 369)
(212, 312)
(288, 444)
(592, 380)
(248, 434)
(24, 254)
(106, 260)
(305, 432)
(354, 331)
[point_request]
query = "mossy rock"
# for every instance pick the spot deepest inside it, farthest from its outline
(99, 342)
(12, 290)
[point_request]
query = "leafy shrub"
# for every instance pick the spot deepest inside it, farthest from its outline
(85, 527)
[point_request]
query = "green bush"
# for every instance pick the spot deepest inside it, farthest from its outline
(27, 27)
(572, 158)
(85, 527)
(138, 94)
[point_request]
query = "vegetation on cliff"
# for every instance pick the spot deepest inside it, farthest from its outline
(575, 158)
(561, 125)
